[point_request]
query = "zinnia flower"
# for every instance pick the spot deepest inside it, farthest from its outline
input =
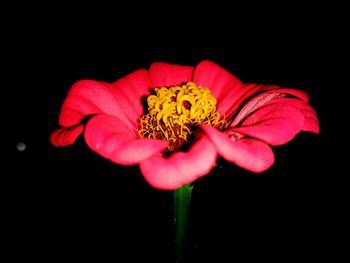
(174, 121)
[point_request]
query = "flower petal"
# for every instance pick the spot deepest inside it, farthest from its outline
(88, 97)
(250, 154)
(66, 136)
(300, 94)
(181, 168)
(310, 118)
(258, 101)
(275, 123)
(111, 138)
(311, 123)
(219, 81)
(130, 91)
(249, 90)
(166, 75)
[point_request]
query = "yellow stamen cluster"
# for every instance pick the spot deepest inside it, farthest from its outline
(174, 112)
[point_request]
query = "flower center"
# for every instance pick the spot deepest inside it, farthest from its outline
(175, 112)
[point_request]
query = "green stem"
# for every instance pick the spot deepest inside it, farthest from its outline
(182, 201)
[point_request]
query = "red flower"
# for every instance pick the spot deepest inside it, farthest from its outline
(240, 127)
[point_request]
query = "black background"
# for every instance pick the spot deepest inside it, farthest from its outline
(71, 203)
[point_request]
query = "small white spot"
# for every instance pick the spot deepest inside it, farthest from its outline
(21, 146)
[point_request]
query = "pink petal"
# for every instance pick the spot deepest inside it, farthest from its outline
(249, 154)
(88, 97)
(311, 123)
(130, 91)
(249, 90)
(300, 94)
(111, 138)
(166, 75)
(181, 168)
(255, 103)
(66, 136)
(275, 123)
(219, 81)
(310, 118)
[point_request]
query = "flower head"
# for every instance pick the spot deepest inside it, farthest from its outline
(174, 112)
(175, 120)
